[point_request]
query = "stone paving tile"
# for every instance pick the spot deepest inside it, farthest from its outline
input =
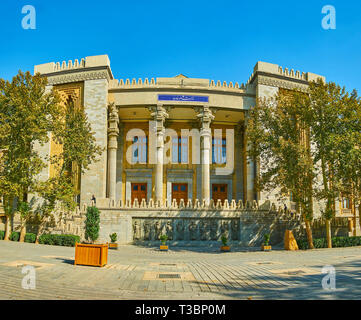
(234, 275)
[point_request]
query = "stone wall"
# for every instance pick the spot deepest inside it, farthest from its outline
(95, 106)
(195, 223)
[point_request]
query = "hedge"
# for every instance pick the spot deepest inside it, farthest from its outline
(67, 240)
(15, 236)
(337, 242)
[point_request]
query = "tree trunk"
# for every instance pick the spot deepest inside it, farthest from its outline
(328, 233)
(7, 228)
(40, 230)
(22, 232)
(309, 233)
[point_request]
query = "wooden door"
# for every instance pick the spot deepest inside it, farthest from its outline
(180, 191)
(139, 191)
(219, 191)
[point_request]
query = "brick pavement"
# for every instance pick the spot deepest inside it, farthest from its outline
(191, 273)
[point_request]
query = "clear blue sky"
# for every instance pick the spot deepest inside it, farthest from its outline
(220, 40)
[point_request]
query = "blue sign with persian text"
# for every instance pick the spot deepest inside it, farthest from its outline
(175, 97)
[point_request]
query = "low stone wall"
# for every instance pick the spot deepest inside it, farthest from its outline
(340, 227)
(190, 225)
(196, 226)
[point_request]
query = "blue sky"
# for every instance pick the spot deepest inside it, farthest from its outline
(220, 40)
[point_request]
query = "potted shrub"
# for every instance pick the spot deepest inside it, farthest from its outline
(91, 254)
(163, 238)
(225, 246)
(266, 246)
(113, 241)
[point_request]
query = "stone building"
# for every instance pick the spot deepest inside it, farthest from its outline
(175, 156)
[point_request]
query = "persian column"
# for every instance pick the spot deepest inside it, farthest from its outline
(205, 116)
(113, 131)
(159, 115)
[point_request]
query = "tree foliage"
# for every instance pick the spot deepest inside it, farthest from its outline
(31, 115)
(310, 145)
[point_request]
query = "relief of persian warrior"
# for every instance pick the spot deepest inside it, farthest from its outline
(180, 230)
(169, 230)
(157, 230)
(214, 227)
(136, 230)
(203, 229)
(146, 231)
(192, 231)
(235, 230)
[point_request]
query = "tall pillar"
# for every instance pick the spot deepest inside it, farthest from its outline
(159, 115)
(113, 131)
(205, 116)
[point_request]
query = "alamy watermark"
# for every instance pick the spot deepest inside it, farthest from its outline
(329, 280)
(29, 20)
(329, 20)
(29, 281)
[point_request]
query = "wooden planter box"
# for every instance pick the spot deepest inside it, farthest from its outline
(266, 248)
(91, 254)
(225, 248)
(113, 246)
(163, 248)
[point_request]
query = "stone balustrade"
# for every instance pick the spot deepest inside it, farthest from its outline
(189, 205)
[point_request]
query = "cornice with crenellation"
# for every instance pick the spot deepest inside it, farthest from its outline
(280, 83)
(78, 76)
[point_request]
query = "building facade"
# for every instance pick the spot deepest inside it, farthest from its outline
(171, 146)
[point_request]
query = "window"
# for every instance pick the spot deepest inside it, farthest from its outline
(140, 149)
(219, 150)
(180, 150)
(346, 203)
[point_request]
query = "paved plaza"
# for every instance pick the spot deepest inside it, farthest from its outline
(135, 272)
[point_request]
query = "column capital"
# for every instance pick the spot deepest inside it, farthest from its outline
(205, 116)
(113, 128)
(159, 113)
(113, 112)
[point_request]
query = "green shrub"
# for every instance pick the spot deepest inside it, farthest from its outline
(92, 223)
(266, 239)
(224, 240)
(15, 236)
(67, 240)
(163, 238)
(30, 237)
(113, 237)
(337, 242)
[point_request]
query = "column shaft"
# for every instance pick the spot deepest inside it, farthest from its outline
(205, 158)
(113, 131)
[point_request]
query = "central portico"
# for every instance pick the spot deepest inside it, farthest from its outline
(174, 146)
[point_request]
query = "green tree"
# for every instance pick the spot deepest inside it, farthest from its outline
(277, 132)
(79, 150)
(348, 148)
(92, 222)
(27, 114)
(325, 103)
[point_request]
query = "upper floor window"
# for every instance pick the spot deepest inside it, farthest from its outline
(219, 150)
(140, 149)
(346, 203)
(180, 150)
